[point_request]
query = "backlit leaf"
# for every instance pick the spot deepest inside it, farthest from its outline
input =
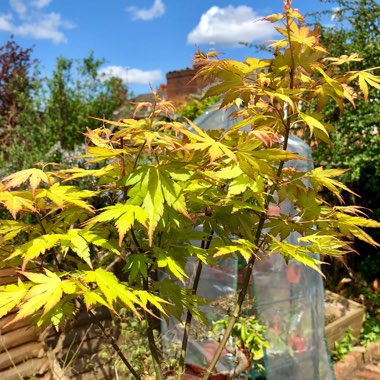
(11, 296)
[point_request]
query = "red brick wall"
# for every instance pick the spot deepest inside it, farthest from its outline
(180, 84)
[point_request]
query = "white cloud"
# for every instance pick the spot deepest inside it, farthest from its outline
(47, 27)
(40, 3)
(19, 7)
(132, 76)
(29, 22)
(5, 22)
(229, 26)
(157, 10)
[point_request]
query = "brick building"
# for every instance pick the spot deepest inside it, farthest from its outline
(181, 84)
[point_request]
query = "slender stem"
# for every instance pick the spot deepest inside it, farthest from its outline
(189, 316)
(134, 238)
(114, 344)
(150, 124)
(151, 341)
(292, 68)
(122, 158)
(139, 154)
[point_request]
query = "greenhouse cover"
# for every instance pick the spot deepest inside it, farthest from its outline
(288, 298)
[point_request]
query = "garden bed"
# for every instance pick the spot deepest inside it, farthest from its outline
(341, 314)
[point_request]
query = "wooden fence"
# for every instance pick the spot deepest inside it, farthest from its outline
(77, 352)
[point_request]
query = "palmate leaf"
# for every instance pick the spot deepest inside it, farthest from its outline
(153, 202)
(35, 177)
(65, 196)
(154, 187)
(78, 244)
(324, 244)
(17, 201)
(9, 229)
(170, 290)
(172, 191)
(112, 289)
(311, 206)
(11, 296)
(228, 172)
(304, 35)
(59, 314)
(115, 291)
(277, 155)
(100, 238)
(365, 78)
(137, 264)
(274, 17)
(37, 246)
(297, 252)
(76, 239)
(244, 247)
(167, 259)
(215, 149)
(80, 241)
(76, 173)
(316, 127)
(147, 298)
(125, 216)
(343, 59)
(252, 165)
(45, 291)
(320, 177)
(124, 123)
(239, 185)
(182, 299)
(351, 226)
(99, 153)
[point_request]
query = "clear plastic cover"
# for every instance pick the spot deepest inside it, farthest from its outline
(288, 298)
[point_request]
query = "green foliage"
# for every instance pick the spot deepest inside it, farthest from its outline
(344, 347)
(248, 335)
(172, 192)
(53, 113)
(133, 341)
(194, 107)
(370, 331)
(355, 136)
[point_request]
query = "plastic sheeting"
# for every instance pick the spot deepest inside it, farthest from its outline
(289, 299)
(218, 285)
(290, 302)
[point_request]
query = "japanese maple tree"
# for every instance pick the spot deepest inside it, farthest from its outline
(167, 185)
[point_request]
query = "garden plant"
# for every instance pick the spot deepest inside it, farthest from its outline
(163, 186)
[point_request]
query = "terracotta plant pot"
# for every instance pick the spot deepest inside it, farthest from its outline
(297, 343)
(293, 274)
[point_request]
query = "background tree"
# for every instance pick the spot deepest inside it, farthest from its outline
(15, 88)
(43, 119)
(193, 107)
(356, 137)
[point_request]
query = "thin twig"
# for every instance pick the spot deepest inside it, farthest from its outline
(186, 332)
(122, 158)
(113, 343)
(151, 341)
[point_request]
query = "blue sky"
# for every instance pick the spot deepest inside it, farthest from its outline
(141, 40)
